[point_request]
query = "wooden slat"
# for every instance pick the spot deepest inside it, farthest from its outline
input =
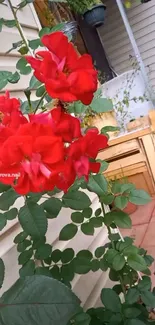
(120, 150)
(130, 136)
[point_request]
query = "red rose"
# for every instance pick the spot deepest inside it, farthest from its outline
(66, 75)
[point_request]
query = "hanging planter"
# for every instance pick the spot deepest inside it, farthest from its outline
(95, 16)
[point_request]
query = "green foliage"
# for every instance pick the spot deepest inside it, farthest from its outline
(2, 272)
(52, 207)
(23, 66)
(98, 184)
(44, 299)
(76, 200)
(68, 232)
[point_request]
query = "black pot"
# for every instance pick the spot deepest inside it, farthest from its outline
(70, 29)
(95, 16)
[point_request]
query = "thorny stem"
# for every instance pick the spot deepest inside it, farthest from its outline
(109, 229)
(40, 101)
(19, 27)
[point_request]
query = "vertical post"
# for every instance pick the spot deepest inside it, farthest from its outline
(134, 46)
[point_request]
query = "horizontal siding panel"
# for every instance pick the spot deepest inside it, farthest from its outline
(25, 15)
(10, 36)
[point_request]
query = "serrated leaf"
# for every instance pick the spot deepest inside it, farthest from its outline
(7, 199)
(21, 247)
(148, 298)
(51, 302)
(95, 265)
(96, 222)
(121, 202)
(43, 252)
(85, 254)
(145, 283)
(87, 213)
(132, 296)
(106, 129)
(139, 197)
(2, 272)
(76, 200)
(40, 91)
(101, 105)
(130, 311)
(104, 165)
(120, 218)
(52, 207)
(68, 232)
(118, 262)
(34, 83)
(56, 255)
(107, 199)
(97, 184)
(33, 220)
(27, 269)
(136, 262)
(111, 300)
(14, 78)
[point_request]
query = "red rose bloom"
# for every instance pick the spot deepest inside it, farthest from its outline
(66, 75)
(10, 114)
(63, 124)
(35, 153)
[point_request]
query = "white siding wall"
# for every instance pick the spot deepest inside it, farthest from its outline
(116, 41)
(87, 287)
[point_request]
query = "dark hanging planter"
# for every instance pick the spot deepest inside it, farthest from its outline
(70, 29)
(95, 16)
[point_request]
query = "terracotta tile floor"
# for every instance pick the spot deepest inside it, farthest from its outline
(143, 230)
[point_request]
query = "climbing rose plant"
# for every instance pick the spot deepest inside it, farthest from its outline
(50, 162)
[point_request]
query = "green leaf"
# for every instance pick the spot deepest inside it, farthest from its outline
(134, 322)
(40, 91)
(20, 237)
(104, 165)
(67, 272)
(82, 319)
(23, 50)
(33, 219)
(23, 3)
(9, 23)
(4, 188)
(52, 207)
(25, 256)
(76, 200)
(11, 214)
(44, 31)
(120, 218)
(148, 298)
(103, 264)
(85, 254)
(87, 229)
(129, 312)
(77, 217)
(145, 283)
(67, 255)
(43, 271)
(95, 265)
(48, 301)
(3, 221)
(98, 212)
(14, 78)
(87, 213)
(99, 251)
(149, 260)
(55, 272)
(118, 262)
(101, 105)
(136, 262)
(127, 187)
(106, 129)
(23, 67)
(2, 272)
(56, 255)
(22, 246)
(121, 202)
(68, 232)
(27, 269)
(35, 43)
(139, 197)
(111, 300)
(132, 296)
(107, 199)
(4, 75)
(82, 265)
(43, 252)
(7, 199)
(97, 184)
(34, 83)
(96, 222)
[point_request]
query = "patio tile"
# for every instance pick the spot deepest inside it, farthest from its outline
(137, 232)
(143, 213)
(149, 238)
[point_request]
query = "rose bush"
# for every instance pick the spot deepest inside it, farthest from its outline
(43, 151)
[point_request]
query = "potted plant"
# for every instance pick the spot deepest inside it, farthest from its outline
(93, 11)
